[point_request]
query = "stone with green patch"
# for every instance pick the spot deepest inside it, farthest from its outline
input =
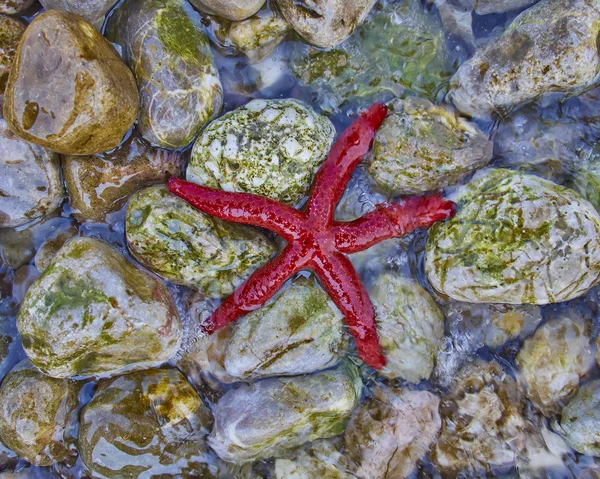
(93, 313)
(516, 239)
(410, 326)
(94, 11)
(38, 415)
(551, 47)
(422, 147)
(146, 424)
(188, 247)
(580, 420)
(268, 417)
(271, 148)
(165, 44)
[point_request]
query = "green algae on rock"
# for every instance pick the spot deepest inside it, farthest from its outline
(268, 417)
(580, 420)
(11, 31)
(229, 9)
(326, 23)
(93, 11)
(388, 435)
(551, 47)
(146, 424)
(299, 332)
(165, 44)
(93, 313)
(422, 147)
(31, 184)
(188, 247)
(68, 89)
(516, 239)
(410, 326)
(553, 360)
(482, 425)
(271, 148)
(101, 184)
(399, 47)
(38, 415)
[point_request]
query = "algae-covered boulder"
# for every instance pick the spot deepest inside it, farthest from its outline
(229, 9)
(516, 239)
(31, 184)
(11, 30)
(93, 313)
(422, 147)
(300, 331)
(551, 47)
(188, 247)
(398, 47)
(581, 420)
(268, 417)
(38, 415)
(100, 184)
(165, 45)
(146, 424)
(389, 434)
(410, 325)
(482, 425)
(68, 89)
(270, 148)
(553, 360)
(93, 11)
(326, 23)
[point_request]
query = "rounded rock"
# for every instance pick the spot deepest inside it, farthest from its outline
(271, 148)
(93, 313)
(10, 7)
(516, 239)
(68, 89)
(581, 420)
(94, 11)
(229, 9)
(422, 147)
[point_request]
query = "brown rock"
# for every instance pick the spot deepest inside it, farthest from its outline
(11, 30)
(14, 6)
(68, 89)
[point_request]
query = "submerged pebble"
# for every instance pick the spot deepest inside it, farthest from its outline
(581, 420)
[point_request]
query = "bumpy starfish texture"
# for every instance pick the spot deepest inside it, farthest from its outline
(315, 241)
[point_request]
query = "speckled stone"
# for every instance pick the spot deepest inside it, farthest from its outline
(93, 313)
(101, 184)
(422, 147)
(188, 247)
(68, 89)
(551, 47)
(325, 23)
(11, 7)
(38, 415)
(11, 31)
(229, 9)
(516, 239)
(31, 185)
(271, 148)
(581, 420)
(93, 11)
(165, 44)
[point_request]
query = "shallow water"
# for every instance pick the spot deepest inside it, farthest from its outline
(574, 133)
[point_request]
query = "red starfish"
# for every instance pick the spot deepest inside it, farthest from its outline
(314, 240)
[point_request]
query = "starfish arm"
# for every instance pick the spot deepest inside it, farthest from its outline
(258, 288)
(340, 280)
(347, 152)
(242, 208)
(391, 221)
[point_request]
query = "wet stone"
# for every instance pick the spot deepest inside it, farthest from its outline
(93, 11)
(516, 239)
(11, 30)
(410, 326)
(553, 361)
(271, 148)
(188, 247)
(581, 419)
(38, 415)
(423, 147)
(146, 424)
(101, 184)
(267, 417)
(55, 241)
(229, 9)
(68, 89)
(551, 47)
(31, 183)
(322, 459)
(10, 7)
(326, 23)
(165, 45)
(93, 313)
(389, 434)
